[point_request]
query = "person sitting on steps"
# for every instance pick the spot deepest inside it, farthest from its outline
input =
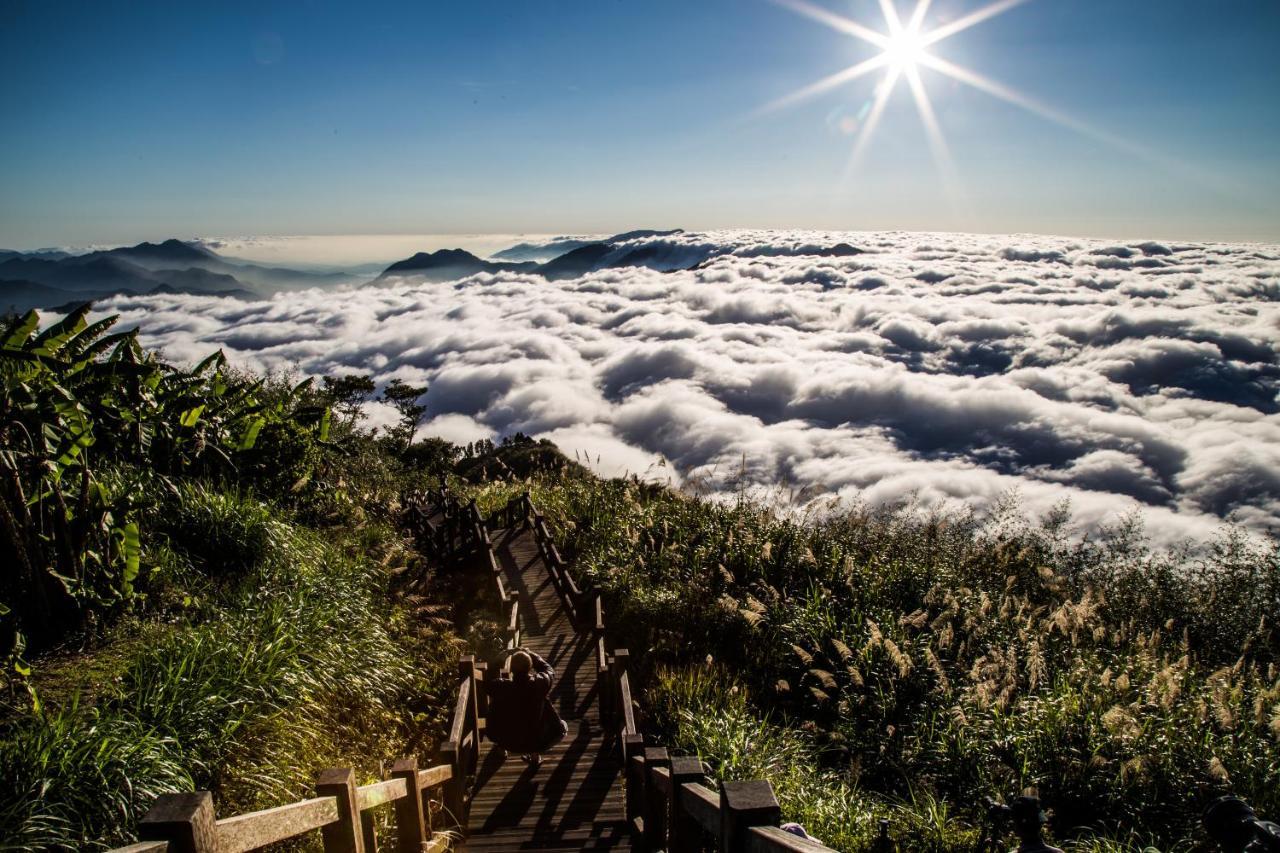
(521, 718)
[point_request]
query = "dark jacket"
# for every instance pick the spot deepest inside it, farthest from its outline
(520, 717)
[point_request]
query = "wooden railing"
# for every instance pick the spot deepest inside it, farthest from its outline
(185, 823)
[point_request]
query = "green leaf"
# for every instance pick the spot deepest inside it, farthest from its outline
(217, 358)
(52, 339)
(325, 421)
(250, 436)
(191, 417)
(19, 331)
(132, 554)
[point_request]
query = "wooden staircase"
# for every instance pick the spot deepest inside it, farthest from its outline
(575, 800)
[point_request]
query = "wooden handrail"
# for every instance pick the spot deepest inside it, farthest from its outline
(258, 829)
(186, 820)
(372, 796)
(703, 805)
(625, 704)
(772, 839)
(457, 730)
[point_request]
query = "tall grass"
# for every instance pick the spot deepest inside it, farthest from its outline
(928, 658)
(294, 661)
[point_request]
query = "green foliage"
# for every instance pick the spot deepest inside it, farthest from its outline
(299, 662)
(931, 658)
(404, 397)
(75, 401)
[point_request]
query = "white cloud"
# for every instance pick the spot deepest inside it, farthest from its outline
(951, 367)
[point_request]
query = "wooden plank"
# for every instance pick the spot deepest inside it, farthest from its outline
(458, 729)
(771, 839)
(703, 805)
(380, 793)
(258, 829)
(433, 776)
(660, 778)
(624, 700)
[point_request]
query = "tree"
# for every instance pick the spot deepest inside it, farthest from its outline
(345, 394)
(405, 399)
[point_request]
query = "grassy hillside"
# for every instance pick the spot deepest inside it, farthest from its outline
(899, 663)
(204, 588)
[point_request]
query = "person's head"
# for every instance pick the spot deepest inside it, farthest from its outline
(1027, 816)
(520, 663)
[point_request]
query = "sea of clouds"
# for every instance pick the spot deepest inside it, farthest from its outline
(941, 366)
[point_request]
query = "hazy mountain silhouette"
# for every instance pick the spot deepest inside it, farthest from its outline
(449, 264)
(46, 278)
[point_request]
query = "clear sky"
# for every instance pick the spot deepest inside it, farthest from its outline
(141, 120)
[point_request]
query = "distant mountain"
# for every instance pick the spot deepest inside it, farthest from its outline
(169, 254)
(541, 252)
(577, 262)
(449, 264)
(47, 278)
(20, 296)
(44, 254)
(561, 246)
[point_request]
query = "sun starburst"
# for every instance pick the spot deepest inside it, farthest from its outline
(904, 50)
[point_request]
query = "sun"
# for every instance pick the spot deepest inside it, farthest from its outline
(905, 50)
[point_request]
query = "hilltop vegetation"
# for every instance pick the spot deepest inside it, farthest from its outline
(203, 585)
(208, 590)
(895, 662)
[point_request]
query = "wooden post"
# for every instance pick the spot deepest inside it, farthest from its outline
(604, 684)
(369, 832)
(742, 806)
(412, 821)
(186, 821)
(620, 663)
(347, 835)
(655, 808)
(482, 695)
(684, 835)
(467, 670)
(635, 772)
(451, 792)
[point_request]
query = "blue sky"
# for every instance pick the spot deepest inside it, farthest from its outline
(139, 120)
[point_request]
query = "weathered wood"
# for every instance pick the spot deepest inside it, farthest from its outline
(380, 793)
(684, 834)
(258, 829)
(771, 839)
(457, 729)
(742, 806)
(412, 819)
(702, 805)
(369, 832)
(344, 835)
(452, 795)
(575, 800)
(635, 791)
(433, 776)
(657, 764)
(626, 708)
(185, 821)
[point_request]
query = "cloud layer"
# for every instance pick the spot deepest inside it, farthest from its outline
(945, 366)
